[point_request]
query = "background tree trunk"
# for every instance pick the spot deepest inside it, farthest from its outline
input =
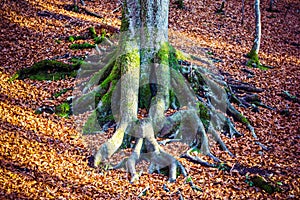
(256, 44)
(243, 12)
(271, 5)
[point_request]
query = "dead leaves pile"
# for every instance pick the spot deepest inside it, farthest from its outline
(42, 156)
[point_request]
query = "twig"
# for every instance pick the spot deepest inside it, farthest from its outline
(143, 192)
(115, 10)
(91, 13)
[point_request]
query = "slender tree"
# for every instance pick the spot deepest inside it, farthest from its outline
(222, 6)
(243, 11)
(271, 4)
(253, 54)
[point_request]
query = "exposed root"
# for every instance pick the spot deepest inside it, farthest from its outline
(167, 141)
(132, 160)
(101, 75)
(83, 7)
(191, 125)
(217, 137)
(238, 116)
(111, 146)
(196, 159)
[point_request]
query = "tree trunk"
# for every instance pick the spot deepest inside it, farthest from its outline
(271, 5)
(256, 44)
(243, 12)
(143, 71)
(145, 32)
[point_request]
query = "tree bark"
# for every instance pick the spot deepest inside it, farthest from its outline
(243, 12)
(143, 40)
(144, 68)
(271, 5)
(257, 39)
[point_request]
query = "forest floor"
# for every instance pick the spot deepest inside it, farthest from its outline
(42, 155)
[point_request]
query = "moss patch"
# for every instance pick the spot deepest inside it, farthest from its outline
(82, 46)
(204, 114)
(145, 96)
(61, 92)
(63, 110)
(74, 38)
(259, 181)
(92, 34)
(168, 55)
(92, 31)
(243, 119)
(180, 4)
(254, 61)
(91, 125)
(47, 70)
(124, 21)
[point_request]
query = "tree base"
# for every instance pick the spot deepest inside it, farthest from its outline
(203, 109)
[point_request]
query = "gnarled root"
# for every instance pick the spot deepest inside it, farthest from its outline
(190, 125)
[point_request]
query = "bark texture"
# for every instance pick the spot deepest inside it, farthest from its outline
(257, 39)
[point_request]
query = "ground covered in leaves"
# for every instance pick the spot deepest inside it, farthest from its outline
(42, 155)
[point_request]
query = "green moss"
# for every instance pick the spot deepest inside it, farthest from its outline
(124, 21)
(223, 167)
(104, 113)
(93, 32)
(210, 53)
(91, 125)
(75, 8)
(14, 77)
(163, 53)
(180, 4)
(243, 119)
(129, 59)
(52, 76)
(100, 39)
(145, 96)
(203, 111)
(58, 41)
(82, 46)
(61, 92)
(71, 39)
(173, 60)
(77, 61)
(181, 56)
(47, 70)
(173, 100)
(253, 58)
(260, 182)
(204, 114)
(63, 110)
(168, 55)
(74, 38)
(254, 61)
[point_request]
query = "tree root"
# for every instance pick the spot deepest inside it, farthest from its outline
(83, 7)
(199, 116)
(196, 159)
(246, 87)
